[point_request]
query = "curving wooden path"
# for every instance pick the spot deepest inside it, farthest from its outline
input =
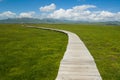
(77, 63)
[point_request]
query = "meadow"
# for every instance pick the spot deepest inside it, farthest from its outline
(103, 41)
(30, 53)
(35, 54)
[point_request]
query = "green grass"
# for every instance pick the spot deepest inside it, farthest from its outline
(104, 44)
(30, 53)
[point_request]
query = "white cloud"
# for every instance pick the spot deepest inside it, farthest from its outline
(82, 13)
(48, 8)
(7, 14)
(83, 7)
(75, 13)
(26, 14)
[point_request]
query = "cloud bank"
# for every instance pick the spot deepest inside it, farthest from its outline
(76, 13)
(82, 13)
(48, 8)
(26, 14)
(7, 14)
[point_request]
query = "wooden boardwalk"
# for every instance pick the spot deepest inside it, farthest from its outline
(77, 63)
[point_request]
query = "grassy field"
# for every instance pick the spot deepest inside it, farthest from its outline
(29, 53)
(104, 44)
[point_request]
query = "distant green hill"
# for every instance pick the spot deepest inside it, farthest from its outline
(32, 20)
(111, 23)
(48, 20)
(21, 20)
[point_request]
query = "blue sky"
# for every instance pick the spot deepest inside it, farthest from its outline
(107, 7)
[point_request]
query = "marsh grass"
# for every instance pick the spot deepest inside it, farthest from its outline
(103, 42)
(30, 53)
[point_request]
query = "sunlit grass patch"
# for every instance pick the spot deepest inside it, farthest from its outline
(30, 53)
